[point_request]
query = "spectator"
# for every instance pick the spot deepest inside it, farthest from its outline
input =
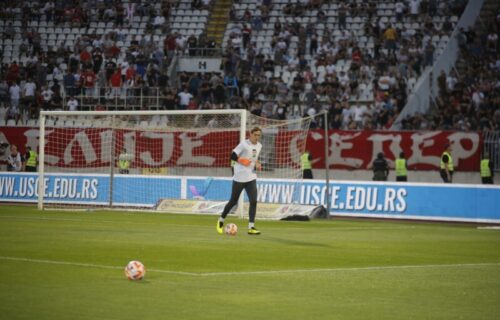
(159, 21)
(170, 100)
(257, 23)
(85, 58)
(429, 54)
(88, 81)
(69, 83)
(184, 98)
(110, 67)
(72, 104)
(192, 44)
(15, 94)
(97, 60)
(399, 10)
(342, 11)
(28, 93)
(390, 36)
(56, 102)
(130, 12)
(12, 113)
(414, 9)
(15, 160)
(115, 82)
(247, 34)
(47, 95)
(231, 84)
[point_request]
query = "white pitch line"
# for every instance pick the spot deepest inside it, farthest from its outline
(264, 272)
(191, 225)
(93, 221)
(90, 265)
(372, 268)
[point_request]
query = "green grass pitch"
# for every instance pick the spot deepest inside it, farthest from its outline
(69, 265)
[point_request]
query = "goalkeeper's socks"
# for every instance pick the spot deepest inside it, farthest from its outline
(221, 219)
(251, 225)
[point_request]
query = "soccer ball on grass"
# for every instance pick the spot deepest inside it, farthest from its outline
(231, 229)
(135, 270)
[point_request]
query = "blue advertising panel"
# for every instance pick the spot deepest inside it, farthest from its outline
(66, 188)
(447, 202)
(428, 201)
(142, 191)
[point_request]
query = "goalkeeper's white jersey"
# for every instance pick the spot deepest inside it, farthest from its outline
(246, 149)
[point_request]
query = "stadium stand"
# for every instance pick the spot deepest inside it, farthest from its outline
(468, 97)
(360, 60)
(281, 59)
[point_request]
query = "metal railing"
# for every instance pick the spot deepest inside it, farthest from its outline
(122, 98)
(201, 52)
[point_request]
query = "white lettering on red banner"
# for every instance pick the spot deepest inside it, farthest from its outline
(70, 147)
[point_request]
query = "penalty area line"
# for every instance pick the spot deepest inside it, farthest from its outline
(264, 272)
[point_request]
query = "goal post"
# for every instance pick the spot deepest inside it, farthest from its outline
(174, 161)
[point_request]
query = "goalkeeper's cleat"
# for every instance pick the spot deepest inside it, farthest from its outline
(253, 231)
(219, 227)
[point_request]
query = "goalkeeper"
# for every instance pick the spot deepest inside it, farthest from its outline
(246, 155)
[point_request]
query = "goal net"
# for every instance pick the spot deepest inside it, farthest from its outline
(172, 161)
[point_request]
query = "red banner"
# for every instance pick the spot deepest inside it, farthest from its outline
(422, 150)
(71, 147)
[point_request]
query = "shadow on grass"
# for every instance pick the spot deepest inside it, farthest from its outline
(292, 242)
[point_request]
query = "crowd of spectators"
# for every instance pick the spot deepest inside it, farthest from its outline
(47, 75)
(469, 95)
(304, 68)
(361, 74)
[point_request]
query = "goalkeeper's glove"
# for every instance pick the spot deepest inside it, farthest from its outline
(244, 161)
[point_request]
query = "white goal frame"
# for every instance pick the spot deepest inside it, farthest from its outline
(241, 119)
(43, 115)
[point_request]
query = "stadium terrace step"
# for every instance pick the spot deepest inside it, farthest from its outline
(219, 19)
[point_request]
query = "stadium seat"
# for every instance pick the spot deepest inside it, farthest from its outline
(32, 123)
(3, 111)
